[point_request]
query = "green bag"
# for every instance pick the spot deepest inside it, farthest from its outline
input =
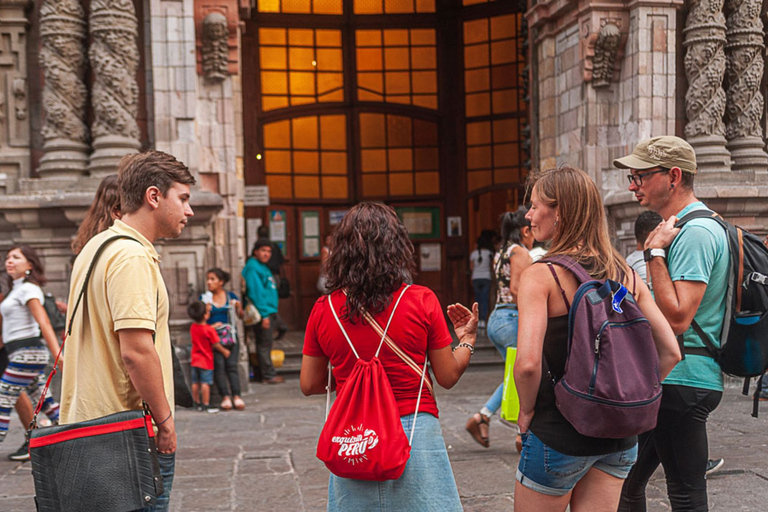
(510, 402)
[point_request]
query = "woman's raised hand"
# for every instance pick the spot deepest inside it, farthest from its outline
(464, 321)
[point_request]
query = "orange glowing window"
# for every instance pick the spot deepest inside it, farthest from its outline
(306, 157)
(394, 6)
(397, 66)
(398, 156)
(302, 6)
(300, 66)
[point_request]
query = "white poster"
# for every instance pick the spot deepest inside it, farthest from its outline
(251, 228)
(311, 226)
(430, 257)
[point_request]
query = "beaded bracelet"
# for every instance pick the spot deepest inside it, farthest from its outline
(465, 344)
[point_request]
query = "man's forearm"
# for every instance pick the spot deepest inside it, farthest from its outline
(144, 369)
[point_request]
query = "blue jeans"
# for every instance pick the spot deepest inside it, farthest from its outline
(426, 485)
(482, 288)
(167, 467)
(502, 331)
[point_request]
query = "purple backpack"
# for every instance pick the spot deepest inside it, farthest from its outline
(610, 387)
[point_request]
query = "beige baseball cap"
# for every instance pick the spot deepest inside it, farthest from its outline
(667, 151)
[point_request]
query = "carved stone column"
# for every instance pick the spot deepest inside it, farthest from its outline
(62, 58)
(14, 119)
(114, 57)
(745, 66)
(705, 99)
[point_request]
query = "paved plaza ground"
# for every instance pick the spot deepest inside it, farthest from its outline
(263, 459)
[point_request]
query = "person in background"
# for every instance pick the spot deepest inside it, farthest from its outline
(644, 224)
(325, 253)
(224, 309)
(28, 336)
(373, 263)
(205, 341)
(480, 262)
(558, 465)
(509, 263)
(275, 262)
(538, 251)
(262, 292)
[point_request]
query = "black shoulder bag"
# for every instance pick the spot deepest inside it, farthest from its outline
(108, 463)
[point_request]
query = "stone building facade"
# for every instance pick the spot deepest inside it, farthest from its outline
(612, 73)
(437, 107)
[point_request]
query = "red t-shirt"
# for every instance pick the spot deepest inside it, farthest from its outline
(204, 337)
(418, 324)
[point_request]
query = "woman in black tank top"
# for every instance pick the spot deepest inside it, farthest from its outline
(559, 466)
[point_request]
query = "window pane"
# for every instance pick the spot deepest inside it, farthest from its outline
(327, 6)
(277, 135)
(373, 160)
(276, 162)
(400, 159)
(375, 185)
(424, 133)
(426, 158)
(269, 5)
(398, 6)
(369, 59)
(397, 83)
(478, 133)
(427, 183)
(504, 27)
(334, 188)
(479, 157)
(374, 81)
(401, 184)
(333, 163)
(475, 31)
(304, 132)
(478, 104)
(333, 132)
(307, 187)
(280, 186)
(296, 6)
(301, 37)
(399, 131)
(274, 36)
(479, 179)
(368, 7)
(477, 80)
(274, 82)
(306, 162)
(372, 131)
(271, 57)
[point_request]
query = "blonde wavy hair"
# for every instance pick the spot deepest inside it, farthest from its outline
(582, 230)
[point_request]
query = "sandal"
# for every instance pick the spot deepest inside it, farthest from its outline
(239, 403)
(226, 404)
(475, 428)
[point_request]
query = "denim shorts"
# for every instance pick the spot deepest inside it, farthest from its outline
(200, 375)
(547, 471)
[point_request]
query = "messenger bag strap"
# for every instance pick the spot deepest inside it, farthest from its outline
(96, 255)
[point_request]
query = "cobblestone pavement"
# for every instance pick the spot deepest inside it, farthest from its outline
(262, 459)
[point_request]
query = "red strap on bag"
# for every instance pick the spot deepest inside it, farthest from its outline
(363, 437)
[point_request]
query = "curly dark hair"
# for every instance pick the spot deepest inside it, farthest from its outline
(371, 257)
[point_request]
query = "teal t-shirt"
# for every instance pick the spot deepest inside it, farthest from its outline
(700, 253)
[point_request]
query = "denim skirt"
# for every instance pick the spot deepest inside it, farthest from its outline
(426, 485)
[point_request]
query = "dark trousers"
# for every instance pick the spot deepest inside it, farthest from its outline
(264, 348)
(225, 371)
(482, 289)
(679, 443)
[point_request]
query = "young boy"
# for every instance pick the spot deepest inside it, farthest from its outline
(204, 342)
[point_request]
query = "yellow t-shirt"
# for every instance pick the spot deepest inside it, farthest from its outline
(126, 290)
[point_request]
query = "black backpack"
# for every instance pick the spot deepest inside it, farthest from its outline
(58, 321)
(743, 350)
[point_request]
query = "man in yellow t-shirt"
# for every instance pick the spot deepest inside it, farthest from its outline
(119, 352)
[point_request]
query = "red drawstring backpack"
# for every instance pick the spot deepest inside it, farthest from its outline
(363, 437)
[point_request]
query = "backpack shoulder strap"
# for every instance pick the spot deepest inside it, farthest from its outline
(557, 280)
(700, 214)
(343, 331)
(571, 264)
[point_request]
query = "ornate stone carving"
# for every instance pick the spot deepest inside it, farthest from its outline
(62, 57)
(705, 99)
(215, 47)
(114, 57)
(744, 49)
(606, 53)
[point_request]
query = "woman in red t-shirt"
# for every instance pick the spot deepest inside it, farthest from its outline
(372, 260)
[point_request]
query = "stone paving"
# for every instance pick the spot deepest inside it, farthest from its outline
(262, 459)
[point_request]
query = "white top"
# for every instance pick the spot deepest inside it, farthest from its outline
(481, 269)
(537, 253)
(18, 322)
(637, 263)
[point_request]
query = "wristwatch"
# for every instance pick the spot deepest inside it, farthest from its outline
(649, 254)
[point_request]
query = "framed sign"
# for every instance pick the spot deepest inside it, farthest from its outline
(310, 233)
(420, 221)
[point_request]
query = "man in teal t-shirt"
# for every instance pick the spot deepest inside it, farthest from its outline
(262, 292)
(689, 271)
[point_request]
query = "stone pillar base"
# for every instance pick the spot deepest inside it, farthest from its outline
(63, 159)
(107, 152)
(748, 154)
(711, 153)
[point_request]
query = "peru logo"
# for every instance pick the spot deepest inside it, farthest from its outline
(355, 442)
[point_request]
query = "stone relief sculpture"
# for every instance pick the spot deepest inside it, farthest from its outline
(114, 57)
(62, 58)
(744, 70)
(705, 68)
(215, 47)
(606, 52)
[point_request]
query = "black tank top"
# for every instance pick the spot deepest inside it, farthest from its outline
(548, 424)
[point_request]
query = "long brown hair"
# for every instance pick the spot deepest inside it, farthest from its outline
(581, 231)
(102, 213)
(37, 272)
(371, 257)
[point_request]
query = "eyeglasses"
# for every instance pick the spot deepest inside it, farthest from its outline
(637, 179)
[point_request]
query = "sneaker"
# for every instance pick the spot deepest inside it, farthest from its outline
(280, 334)
(713, 465)
(277, 379)
(210, 409)
(22, 454)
